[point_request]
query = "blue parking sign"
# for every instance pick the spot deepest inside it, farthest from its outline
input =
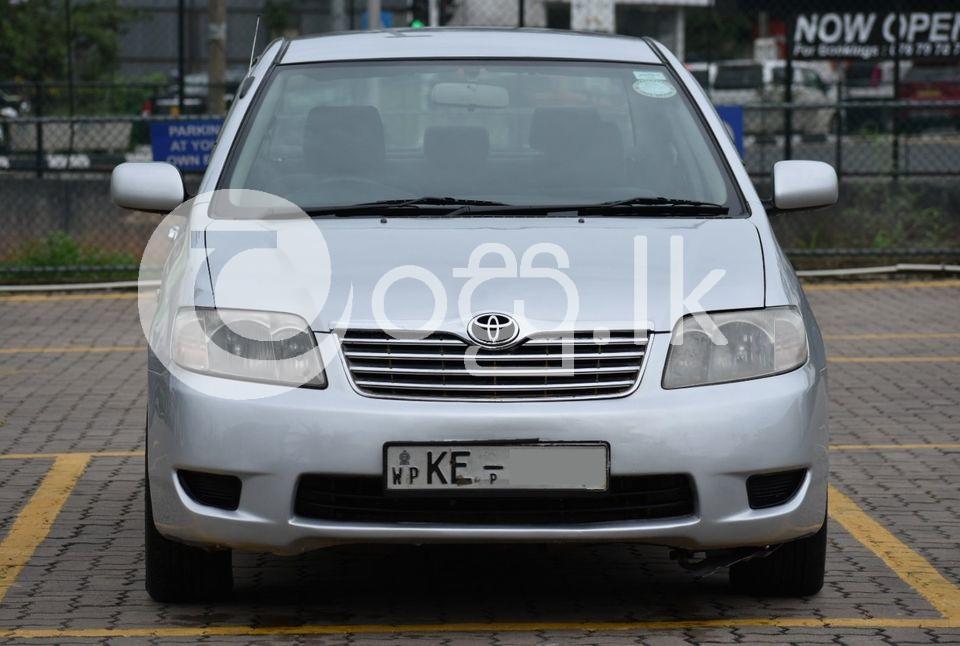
(186, 144)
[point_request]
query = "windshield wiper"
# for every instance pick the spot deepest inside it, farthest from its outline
(414, 204)
(669, 202)
(456, 206)
(641, 205)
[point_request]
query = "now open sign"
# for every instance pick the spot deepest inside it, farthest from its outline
(185, 144)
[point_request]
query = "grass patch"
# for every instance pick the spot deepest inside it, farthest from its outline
(58, 257)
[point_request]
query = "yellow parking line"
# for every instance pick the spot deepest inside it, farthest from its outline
(44, 298)
(476, 627)
(886, 336)
(34, 521)
(74, 349)
(912, 568)
(53, 456)
(905, 284)
(893, 447)
(896, 359)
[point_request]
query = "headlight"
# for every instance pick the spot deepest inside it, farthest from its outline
(269, 347)
(744, 345)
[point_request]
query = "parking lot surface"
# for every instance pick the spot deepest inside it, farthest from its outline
(72, 399)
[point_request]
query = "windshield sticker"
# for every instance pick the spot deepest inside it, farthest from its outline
(654, 89)
(647, 75)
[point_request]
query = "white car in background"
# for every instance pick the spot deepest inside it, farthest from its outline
(758, 83)
(704, 73)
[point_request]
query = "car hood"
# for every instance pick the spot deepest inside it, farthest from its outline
(553, 272)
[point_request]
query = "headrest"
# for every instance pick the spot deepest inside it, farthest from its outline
(343, 138)
(564, 130)
(456, 146)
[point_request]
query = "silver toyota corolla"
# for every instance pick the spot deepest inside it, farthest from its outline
(479, 285)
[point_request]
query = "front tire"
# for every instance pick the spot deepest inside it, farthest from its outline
(796, 569)
(176, 572)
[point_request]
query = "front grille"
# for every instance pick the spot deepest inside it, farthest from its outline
(772, 489)
(579, 365)
(362, 499)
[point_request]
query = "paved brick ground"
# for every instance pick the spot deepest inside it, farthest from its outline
(87, 572)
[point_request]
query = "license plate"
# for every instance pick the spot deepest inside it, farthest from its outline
(567, 466)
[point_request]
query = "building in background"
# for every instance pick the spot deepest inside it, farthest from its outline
(662, 19)
(150, 43)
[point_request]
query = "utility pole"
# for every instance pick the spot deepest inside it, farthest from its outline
(338, 12)
(434, 12)
(71, 81)
(373, 14)
(181, 53)
(217, 55)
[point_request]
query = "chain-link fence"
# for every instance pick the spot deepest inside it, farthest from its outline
(837, 82)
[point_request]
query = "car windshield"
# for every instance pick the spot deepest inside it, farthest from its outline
(738, 77)
(863, 74)
(510, 132)
(933, 74)
(702, 76)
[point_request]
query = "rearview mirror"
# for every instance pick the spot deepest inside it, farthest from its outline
(803, 185)
(147, 186)
(473, 95)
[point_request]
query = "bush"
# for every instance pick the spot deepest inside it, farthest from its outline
(58, 257)
(878, 216)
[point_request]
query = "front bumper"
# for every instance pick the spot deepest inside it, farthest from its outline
(719, 435)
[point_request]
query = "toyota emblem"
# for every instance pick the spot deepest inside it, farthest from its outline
(493, 329)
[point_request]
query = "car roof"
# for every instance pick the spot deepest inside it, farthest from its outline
(448, 42)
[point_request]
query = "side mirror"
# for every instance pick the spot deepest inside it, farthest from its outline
(147, 186)
(803, 185)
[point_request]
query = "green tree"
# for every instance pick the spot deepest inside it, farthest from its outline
(33, 38)
(719, 32)
(278, 16)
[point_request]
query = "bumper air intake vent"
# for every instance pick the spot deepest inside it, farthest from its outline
(772, 489)
(362, 499)
(211, 489)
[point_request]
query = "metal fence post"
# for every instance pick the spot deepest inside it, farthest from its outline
(181, 53)
(838, 119)
(38, 102)
(71, 81)
(895, 122)
(788, 88)
(710, 56)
